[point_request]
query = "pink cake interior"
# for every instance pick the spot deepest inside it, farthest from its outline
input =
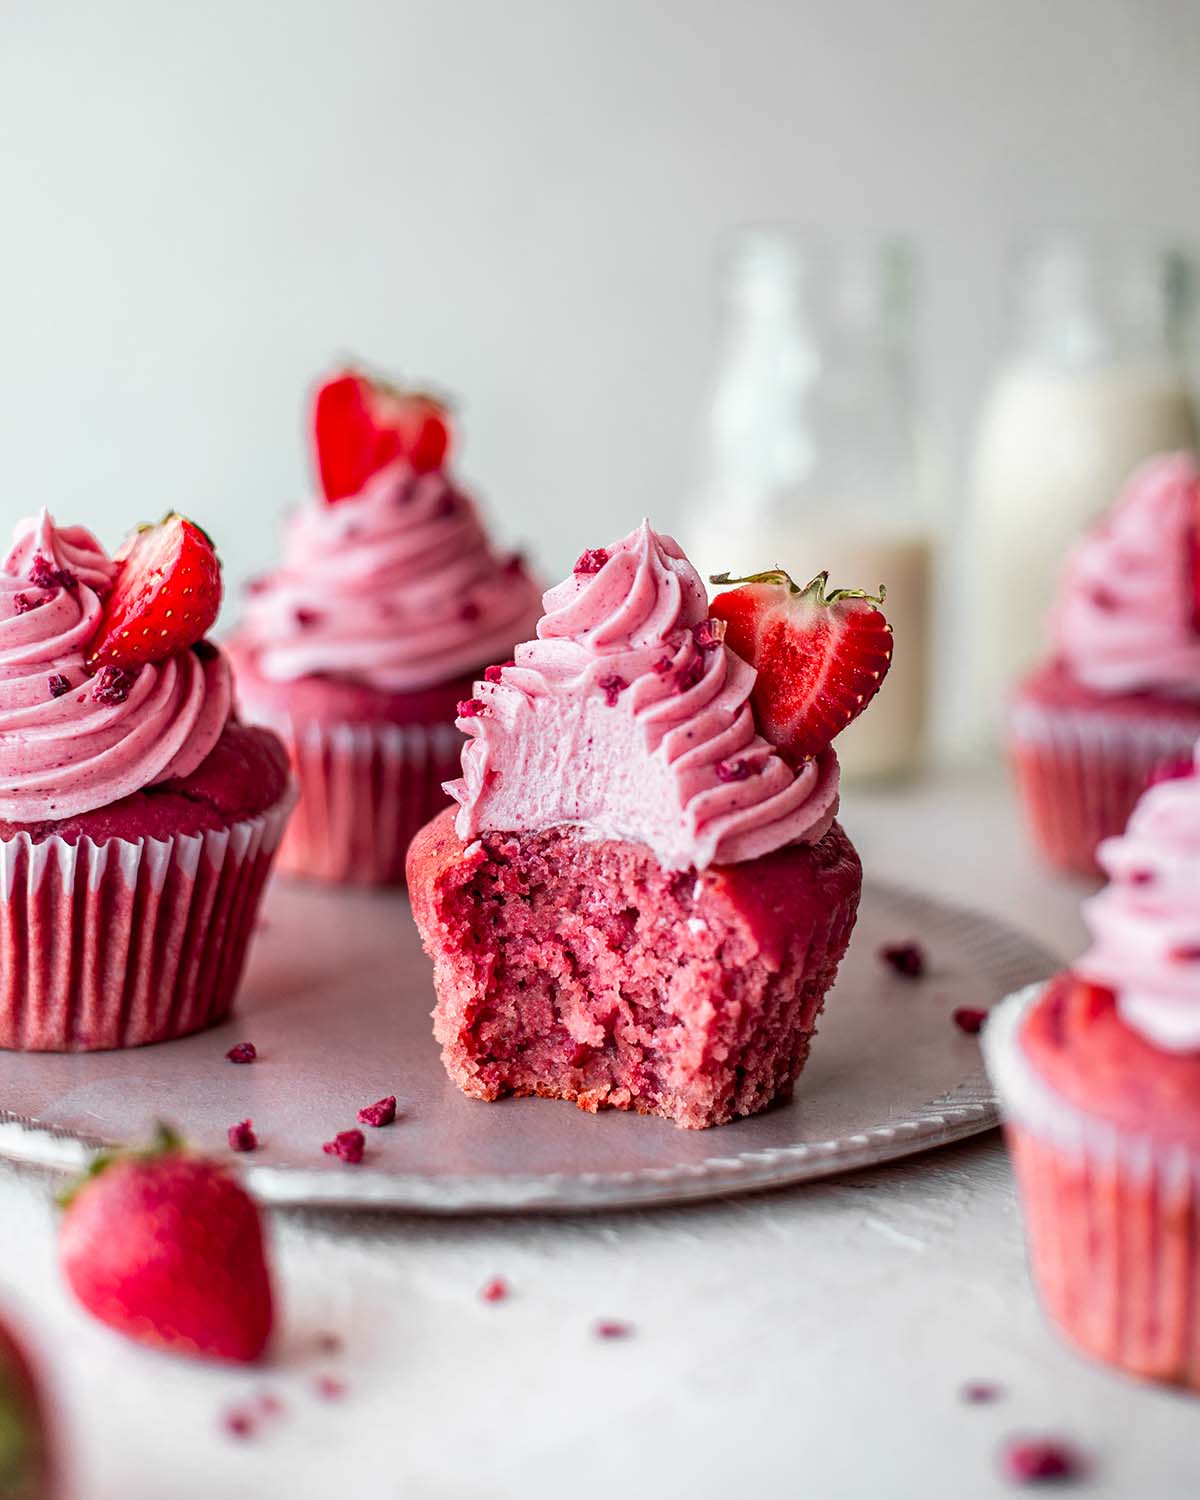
(582, 970)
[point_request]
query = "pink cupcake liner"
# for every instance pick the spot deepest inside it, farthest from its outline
(1080, 774)
(129, 941)
(365, 790)
(1112, 1219)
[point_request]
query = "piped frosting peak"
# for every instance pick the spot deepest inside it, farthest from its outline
(71, 741)
(629, 718)
(1126, 617)
(397, 587)
(1145, 924)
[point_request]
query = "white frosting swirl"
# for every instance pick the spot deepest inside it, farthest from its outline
(630, 718)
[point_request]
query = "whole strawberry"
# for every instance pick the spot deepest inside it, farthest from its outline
(166, 1248)
(165, 597)
(26, 1463)
(360, 425)
(820, 655)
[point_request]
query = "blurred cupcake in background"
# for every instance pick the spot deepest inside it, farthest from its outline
(389, 601)
(1119, 700)
(1098, 1073)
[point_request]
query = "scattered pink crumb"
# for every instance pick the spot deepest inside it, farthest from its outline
(1033, 1460)
(905, 958)
(969, 1019)
(242, 1052)
(472, 708)
(329, 1343)
(613, 1328)
(709, 634)
(242, 1136)
(269, 1404)
(382, 1112)
(496, 1290)
(349, 1145)
(329, 1387)
(238, 1423)
(979, 1392)
(591, 561)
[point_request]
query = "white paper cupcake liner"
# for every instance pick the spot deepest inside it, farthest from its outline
(128, 941)
(1028, 1101)
(365, 791)
(1082, 771)
(1112, 1216)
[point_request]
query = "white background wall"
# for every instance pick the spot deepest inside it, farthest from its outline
(201, 203)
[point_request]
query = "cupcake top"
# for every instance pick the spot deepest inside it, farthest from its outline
(389, 578)
(629, 717)
(106, 684)
(1145, 924)
(1128, 616)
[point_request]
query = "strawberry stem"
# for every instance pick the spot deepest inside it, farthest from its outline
(165, 1140)
(815, 589)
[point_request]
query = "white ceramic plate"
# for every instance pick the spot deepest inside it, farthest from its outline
(337, 1002)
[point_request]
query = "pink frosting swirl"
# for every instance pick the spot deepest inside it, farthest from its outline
(1125, 619)
(67, 745)
(397, 587)
(1145, 925)
(630, 718)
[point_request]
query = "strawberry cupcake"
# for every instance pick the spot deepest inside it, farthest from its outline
(644, 895)
(27, 1467)
(1099, 1077)
(1120, 696)
(358, 649)
(138, 818)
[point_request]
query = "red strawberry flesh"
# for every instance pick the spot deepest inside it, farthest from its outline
(165, 597)
(167, 1249)
(820, 656)
(361, 425)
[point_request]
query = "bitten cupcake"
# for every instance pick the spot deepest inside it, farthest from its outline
(644, 895)
(358, 649)
(138, 818)
(1099, 1077)
(1120, 697)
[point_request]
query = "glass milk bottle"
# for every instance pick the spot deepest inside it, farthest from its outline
(1091, 385)
(812, 454)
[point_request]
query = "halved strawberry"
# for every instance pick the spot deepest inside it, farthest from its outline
(165, 596)
(821, 656)
(360, 425)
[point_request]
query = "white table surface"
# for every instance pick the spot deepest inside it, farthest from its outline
(807, 1342)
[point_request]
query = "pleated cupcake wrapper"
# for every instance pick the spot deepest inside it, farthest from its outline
(1112, 1217)
(365, 790)
(1080, 774)
(128, 941)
